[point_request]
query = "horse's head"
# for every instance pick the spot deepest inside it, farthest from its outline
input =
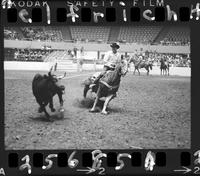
(122, 67)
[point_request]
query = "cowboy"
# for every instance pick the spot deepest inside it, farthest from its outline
(111, 59)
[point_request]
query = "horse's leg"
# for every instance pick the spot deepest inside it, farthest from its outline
(134, 71)
(96, 100)
(51, 105)
(108, 99)
(86, 88)
(138, 71)
(147, 71)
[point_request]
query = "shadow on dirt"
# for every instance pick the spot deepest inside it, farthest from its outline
(53, 117)
(115, 110)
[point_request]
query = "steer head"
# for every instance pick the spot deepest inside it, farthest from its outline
(54, 83)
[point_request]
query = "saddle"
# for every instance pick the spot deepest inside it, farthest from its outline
(107, 79)
(104, 79)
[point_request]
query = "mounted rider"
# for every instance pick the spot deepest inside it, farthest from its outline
(111, 59)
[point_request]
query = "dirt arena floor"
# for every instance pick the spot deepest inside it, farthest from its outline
(149, 112)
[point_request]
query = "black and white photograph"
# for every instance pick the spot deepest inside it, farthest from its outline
(97, 87)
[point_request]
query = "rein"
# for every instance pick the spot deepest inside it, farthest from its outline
(109, 86)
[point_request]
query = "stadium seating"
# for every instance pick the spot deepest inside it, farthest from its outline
(170, 35)
(54, 33)
(57, 55)
(138, 34)
(11, 34)
(91, 33)
(34, 55)
(42, 33)
(174, 36)
(9, 54)
(66, 33)
(114, 33)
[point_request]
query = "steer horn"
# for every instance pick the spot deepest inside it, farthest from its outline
(61, 77)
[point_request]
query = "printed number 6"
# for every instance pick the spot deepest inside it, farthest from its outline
(72, 163)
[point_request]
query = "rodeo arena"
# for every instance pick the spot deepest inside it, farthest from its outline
(97, 87)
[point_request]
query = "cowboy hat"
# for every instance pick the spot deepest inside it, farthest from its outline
(115, 45)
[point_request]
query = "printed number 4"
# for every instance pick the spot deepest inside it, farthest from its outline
(2, 172)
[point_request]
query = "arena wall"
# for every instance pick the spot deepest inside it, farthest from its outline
(45, 66)
(16, 65)
(41, 66)
(95, 46)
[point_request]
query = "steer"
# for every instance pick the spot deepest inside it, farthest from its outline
(44, 88)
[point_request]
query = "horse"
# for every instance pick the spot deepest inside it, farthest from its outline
(138, 64)
(108, 85)
(164, 67)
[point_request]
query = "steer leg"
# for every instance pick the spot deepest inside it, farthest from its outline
(44, 104)
(46, 113)
(60, 99)
(96, 100)
(61, 102)
(51, 105)
(40, 109)
(108, 99)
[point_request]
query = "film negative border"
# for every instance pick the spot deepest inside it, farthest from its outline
(102, 162)
(98, 12)
(99, 161)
